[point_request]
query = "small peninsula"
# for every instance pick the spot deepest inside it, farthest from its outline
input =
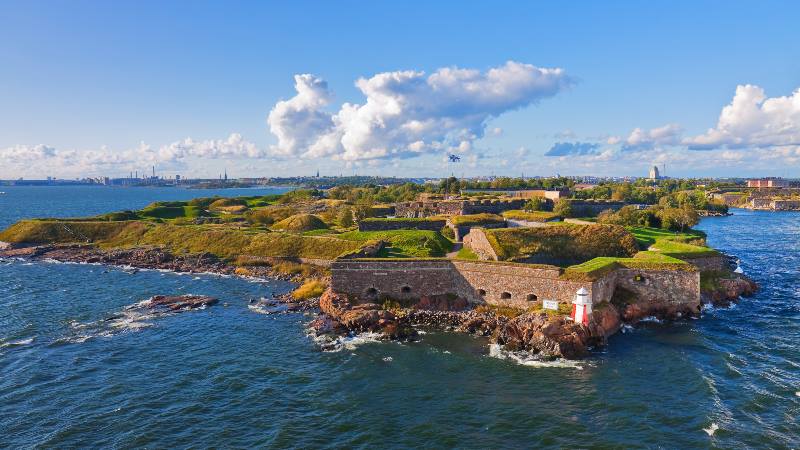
(535, 267)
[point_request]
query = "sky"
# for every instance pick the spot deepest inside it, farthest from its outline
(700, 88)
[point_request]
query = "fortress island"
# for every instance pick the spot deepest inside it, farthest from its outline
(536, 268)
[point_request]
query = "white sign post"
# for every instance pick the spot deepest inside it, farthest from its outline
(550, 304)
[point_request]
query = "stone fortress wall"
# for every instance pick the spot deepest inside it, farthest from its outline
(456, 207)
(398, 224)
(501, 284)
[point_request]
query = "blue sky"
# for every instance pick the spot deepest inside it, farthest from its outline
(106, 87)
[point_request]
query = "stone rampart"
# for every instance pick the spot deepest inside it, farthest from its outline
(477, 241)
(397, 224)
(502, 284)
(456, 207)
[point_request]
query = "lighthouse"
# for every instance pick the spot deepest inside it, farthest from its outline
(581, 306)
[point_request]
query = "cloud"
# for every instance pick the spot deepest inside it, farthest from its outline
(407, 113)
(233, 147)
(753, 120)
(640, 139)
(573, 148)
(22, 159)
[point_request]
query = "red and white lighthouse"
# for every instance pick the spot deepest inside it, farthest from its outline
(582, 306)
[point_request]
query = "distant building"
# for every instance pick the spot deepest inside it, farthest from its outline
(654, 175)
(769, 182)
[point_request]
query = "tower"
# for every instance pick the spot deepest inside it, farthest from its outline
(654, 175)
(582, 306)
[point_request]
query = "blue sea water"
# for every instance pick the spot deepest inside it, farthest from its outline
(227, 376)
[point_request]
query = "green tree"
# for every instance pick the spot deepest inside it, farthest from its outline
(535, 204)
(345, 217)
(563, 208)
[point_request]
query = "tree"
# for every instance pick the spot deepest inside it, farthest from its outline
(563, 208)
(535, 204)
(345, 217)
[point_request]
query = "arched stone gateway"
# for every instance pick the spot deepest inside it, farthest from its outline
(371, 293)
(405, 290)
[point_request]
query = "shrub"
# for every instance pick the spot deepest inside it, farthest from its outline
(448, 232)
(563, 208)
(536, 204)
(309, 289)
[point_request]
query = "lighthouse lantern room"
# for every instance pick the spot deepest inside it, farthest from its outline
(582, 306)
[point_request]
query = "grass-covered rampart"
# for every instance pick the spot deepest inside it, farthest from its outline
(563, 244)
(222, 241)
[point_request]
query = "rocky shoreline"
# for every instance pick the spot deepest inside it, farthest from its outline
(544, 334)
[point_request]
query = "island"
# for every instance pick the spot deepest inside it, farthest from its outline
(534, 268)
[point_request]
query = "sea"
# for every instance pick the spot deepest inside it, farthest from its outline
(79, 368)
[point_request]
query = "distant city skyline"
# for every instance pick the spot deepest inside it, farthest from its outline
(276, 89)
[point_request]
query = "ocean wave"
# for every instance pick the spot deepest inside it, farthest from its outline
(350, 342)
(17, 342)
(531, 360)
(651, 319)
(711, 429)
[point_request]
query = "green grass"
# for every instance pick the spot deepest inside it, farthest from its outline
(405, 243)
(682, 250)
(224, 242)
(466, 253)
(473, 220)
(531, 216)
(646, 236)
(598, 267)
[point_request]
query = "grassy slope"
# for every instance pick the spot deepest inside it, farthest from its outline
(405, 243)
(531, 216)
(474, 220)
(222, 241)
(562, 241)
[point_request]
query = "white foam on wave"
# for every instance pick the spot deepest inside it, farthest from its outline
(711, 429)
(350, 342)
(530, 360)
(388, 359)
(651, 319)
(627, 328)
(797, 393)
(18, 342)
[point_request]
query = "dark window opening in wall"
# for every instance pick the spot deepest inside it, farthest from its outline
(532, 297)
(372, 292)
(505, 295)
(405, 289)
(481, 292)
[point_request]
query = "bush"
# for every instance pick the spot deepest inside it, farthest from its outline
(536, 204)
(309, 289)
(448, 232)
(563, 208)
(227, 202)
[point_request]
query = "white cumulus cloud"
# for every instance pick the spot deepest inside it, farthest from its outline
(753, 120)
(406, 113)
(641, 139)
